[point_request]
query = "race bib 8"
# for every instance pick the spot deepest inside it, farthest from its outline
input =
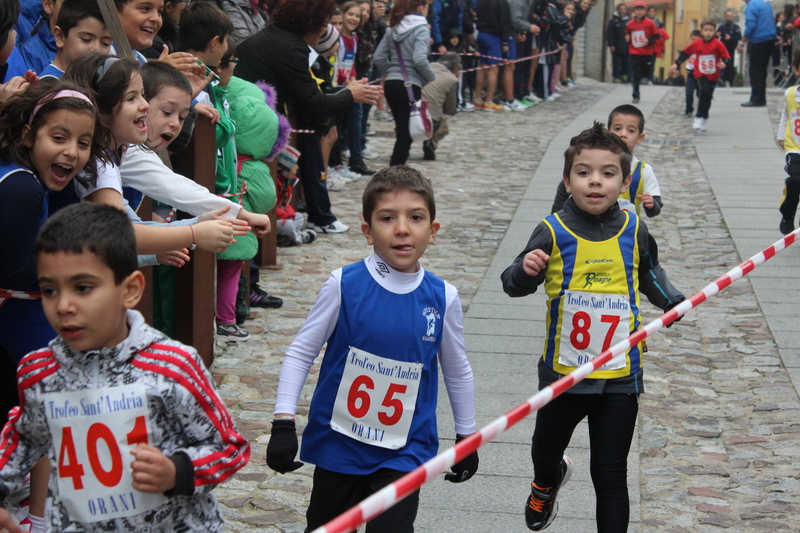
(376, 399)
(93, 434)
(591, 323)
(795, 126)
(638, 39)
(707, 64)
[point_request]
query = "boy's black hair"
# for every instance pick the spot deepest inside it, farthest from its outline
(627, 109)
(16, 126)
(157, 74)
(9, 12)
(695, 34)
(200, 22)
(598, 138)
(92, 227)
(74, 11)
(397, 179)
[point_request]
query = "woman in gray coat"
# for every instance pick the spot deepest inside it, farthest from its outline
(409, 29)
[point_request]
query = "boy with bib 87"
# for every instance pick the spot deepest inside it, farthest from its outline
(135, 431)
(388, 325)
(789, 140)
(593, 259)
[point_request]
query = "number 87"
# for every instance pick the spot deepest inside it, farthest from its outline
(582, 322)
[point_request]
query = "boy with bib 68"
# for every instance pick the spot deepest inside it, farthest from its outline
(388, 324)
(593, 259)
(135, 431)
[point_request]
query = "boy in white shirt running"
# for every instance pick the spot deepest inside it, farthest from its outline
(388, 324)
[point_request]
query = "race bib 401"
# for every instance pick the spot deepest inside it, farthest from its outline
(93, 434)
(376, 399)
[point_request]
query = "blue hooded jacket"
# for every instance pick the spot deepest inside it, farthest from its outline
(759, 25)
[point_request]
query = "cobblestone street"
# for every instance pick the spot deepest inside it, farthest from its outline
(718, 435)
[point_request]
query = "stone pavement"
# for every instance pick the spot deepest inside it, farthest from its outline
(717, 447)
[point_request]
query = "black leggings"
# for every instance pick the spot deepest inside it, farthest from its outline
(397, 98)
(334, 493)
(612, 418)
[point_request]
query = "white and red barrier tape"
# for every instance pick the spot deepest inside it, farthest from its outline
(482, 67)
(393, 493)
(20, 295)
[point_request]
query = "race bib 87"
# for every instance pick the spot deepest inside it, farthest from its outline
(93, 434)
(591, 323)
(376, 399)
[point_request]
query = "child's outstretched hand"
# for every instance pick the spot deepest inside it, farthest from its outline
(152, 470)
(182, 61)
(207, 110)
(7, 523)
(534, 262)
(647, 200)
(465, 468)
(213, 235)
(240, 226)
(176, 258)
(260, 223)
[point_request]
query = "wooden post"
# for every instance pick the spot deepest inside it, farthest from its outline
(197, 281)
(267, 256)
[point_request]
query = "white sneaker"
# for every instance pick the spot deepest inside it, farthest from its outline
(385, 116)
(552, 97)
(345, 154)
(533, 98)
(335, 182)
(366, 153)
(697, 122)
(333, 227)
(347, 174)
(703, 124)
(467, 107)
(514, 105)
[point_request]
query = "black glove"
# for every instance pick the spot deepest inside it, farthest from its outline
(678, 300)
(464, 469)
(282, 447)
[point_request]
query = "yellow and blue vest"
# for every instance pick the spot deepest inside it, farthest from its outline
(594, 272)
(636, 188)
(791, 135)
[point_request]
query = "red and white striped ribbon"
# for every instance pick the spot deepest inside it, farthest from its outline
(20, 295)
(393, 493)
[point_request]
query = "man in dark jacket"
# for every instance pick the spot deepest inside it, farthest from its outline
(278, 55)
(730, 34)
(618, 45)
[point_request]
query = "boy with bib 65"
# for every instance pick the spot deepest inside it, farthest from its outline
(593, 259)
(135, 431)
(388, 325)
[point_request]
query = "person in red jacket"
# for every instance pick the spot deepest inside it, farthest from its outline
(711, 58)
(640, 33)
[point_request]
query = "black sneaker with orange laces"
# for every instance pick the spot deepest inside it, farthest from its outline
(542, 506)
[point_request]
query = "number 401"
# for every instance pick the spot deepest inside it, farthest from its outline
(69, 467)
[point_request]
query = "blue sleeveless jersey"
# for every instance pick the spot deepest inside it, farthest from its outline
(23, 326)
(394, 326)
